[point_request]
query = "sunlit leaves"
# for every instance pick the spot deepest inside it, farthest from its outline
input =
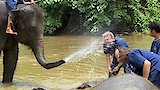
(143, 14)
(136, 13)
(93, 9)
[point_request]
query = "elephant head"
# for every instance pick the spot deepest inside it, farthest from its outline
(28, 23)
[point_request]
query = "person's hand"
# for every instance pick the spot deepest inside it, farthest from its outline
(110, 69)
(116, 69)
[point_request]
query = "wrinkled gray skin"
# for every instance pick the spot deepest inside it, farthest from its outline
(29, 26)
(87, 85)
(125, 82)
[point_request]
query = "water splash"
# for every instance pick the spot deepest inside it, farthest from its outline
(83, 52)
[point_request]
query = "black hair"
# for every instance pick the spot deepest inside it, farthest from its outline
(155, 26)
(123, 57)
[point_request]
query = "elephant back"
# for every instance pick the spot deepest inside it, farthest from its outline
(125, 82)
(32, 8)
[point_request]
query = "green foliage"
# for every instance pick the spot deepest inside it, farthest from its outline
(94, 10)
(135, 13)
(101, 12)
(53, 12)
(144, 13)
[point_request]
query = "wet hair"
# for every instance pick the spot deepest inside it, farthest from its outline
(108, 33)
(123, 54)
(154, 26)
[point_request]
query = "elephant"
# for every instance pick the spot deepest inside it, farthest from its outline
(125, 82)
(28, 21)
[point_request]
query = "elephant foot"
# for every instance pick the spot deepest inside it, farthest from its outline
(8, 84)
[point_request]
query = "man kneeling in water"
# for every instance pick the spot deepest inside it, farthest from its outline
(12, 4)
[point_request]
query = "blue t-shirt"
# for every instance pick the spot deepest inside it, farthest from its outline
(137, 57)
(12, 4)
(155, 47)
(121, 42)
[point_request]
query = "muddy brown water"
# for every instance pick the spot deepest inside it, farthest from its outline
(86, 65)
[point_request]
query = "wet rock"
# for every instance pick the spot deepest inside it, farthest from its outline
(87, 85)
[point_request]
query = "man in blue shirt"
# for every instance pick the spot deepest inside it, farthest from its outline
(155, 32)
(142, 62)
(109, 46)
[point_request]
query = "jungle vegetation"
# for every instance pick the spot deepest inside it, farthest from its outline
(77, 16)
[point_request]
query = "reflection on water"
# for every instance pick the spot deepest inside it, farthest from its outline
(81, 68)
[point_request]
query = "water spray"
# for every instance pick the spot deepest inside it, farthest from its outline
(83, 52)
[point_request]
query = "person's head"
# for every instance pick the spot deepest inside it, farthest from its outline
(121, 54)
(109, 48)
(154, 28)
(108, 36)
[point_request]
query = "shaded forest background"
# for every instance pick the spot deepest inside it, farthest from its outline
(94, 17)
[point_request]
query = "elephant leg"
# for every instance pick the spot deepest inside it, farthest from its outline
(9, 62)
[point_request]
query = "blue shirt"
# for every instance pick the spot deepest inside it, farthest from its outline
(137, 57)
(155, 47)
(121, 42)
(12, 4)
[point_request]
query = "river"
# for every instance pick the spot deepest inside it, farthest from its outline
(86, 62)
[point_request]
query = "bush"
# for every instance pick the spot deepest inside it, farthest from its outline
(135, 14)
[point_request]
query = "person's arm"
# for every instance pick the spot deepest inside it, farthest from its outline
(109, 61)
(146, 69)
(117, 67)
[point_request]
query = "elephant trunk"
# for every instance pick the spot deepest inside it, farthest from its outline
(38, 52)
